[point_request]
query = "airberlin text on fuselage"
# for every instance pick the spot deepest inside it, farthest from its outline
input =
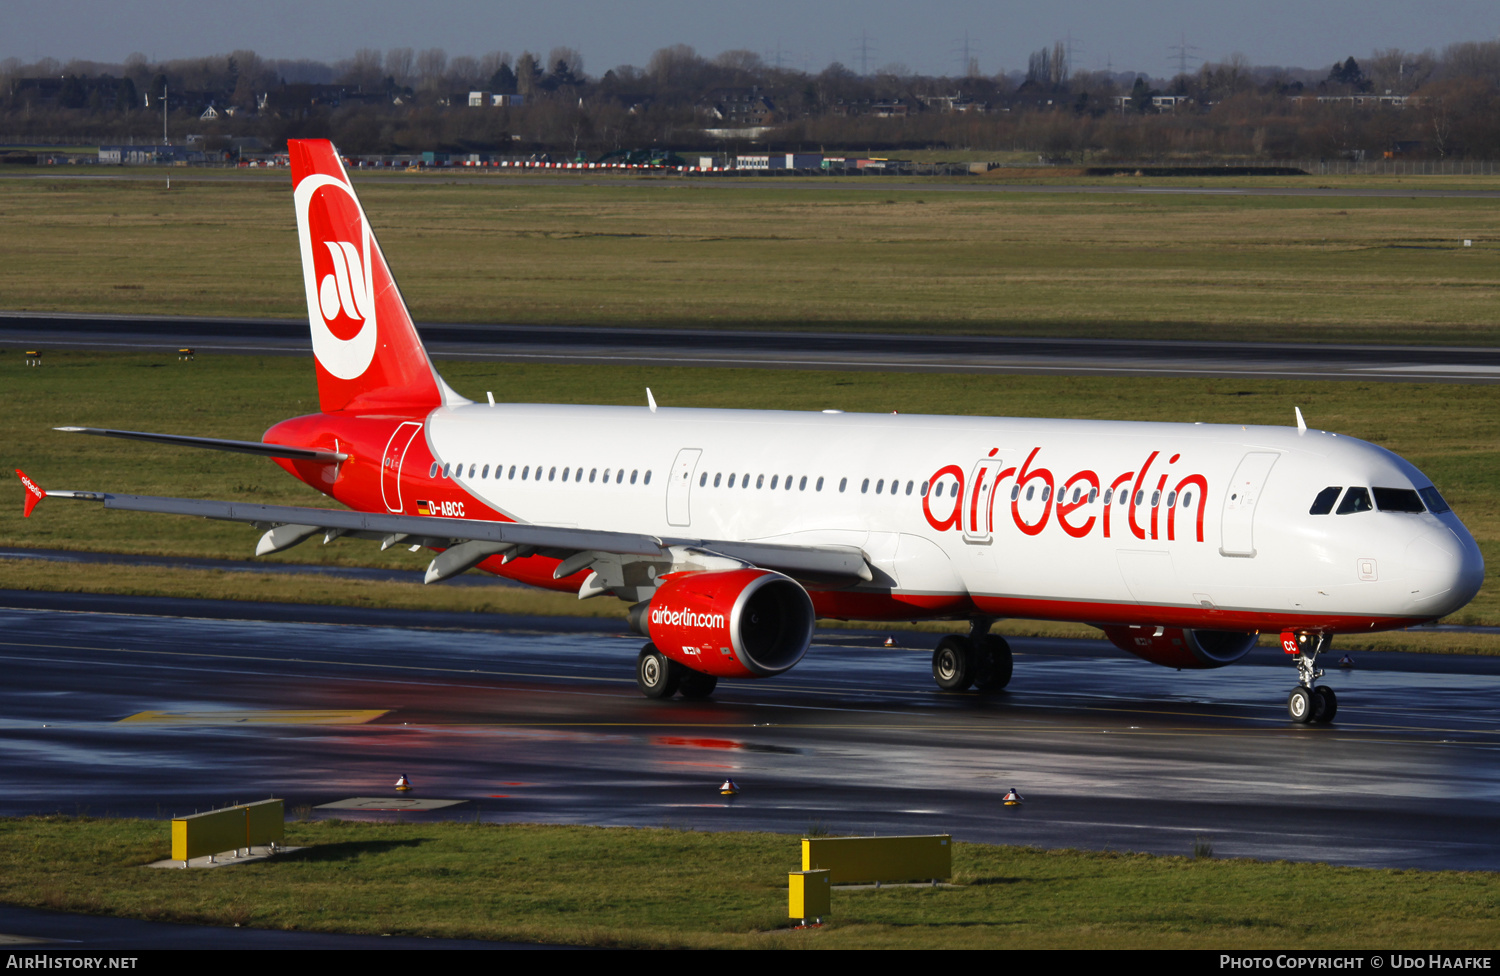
(686, 618)
(1146, 499)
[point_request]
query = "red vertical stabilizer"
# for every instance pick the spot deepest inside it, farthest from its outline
(368, 353)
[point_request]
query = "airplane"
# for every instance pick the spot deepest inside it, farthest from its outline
(731, 532)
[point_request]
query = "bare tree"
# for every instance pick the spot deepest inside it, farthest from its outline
(463, 72)
(363, 70)
(399, 64)
(491, 64)
(528, 72)
(432, 65)
(569, 58)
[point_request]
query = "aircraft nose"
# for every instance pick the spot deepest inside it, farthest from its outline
(1445, 568)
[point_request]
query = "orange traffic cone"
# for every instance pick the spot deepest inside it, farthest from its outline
(728, 789)
(1012, 798)
(402, 784)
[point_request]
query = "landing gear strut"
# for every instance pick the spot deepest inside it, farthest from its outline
(1309, 703)
(980, 660)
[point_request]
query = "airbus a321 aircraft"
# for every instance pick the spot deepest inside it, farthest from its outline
(731, 531)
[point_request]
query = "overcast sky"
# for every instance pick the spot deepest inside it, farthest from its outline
(925, 35)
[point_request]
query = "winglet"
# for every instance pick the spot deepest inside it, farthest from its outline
(1301, 424)
(650, 400)
(34, 493)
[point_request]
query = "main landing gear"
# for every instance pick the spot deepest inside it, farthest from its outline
(1309, 703)
(658, 676)
(981, 660)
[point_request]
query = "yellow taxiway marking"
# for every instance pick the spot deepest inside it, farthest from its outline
(261, 716)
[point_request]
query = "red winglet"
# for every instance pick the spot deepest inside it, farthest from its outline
(34, 493)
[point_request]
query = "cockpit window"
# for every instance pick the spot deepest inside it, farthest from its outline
(1435, 503)
(1355, 500)
(1398, 500)
(1323, 504)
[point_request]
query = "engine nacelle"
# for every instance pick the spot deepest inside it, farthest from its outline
(741, 623)
(1179, 648)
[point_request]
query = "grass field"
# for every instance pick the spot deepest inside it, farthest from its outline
(1452, 432)
(830, 255)
(673, 888)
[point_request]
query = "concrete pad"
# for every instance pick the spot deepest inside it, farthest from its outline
(389, 804)
(226, 858)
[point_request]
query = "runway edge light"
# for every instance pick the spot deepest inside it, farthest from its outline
(728, 788)
(1013, 799)
(403, 784)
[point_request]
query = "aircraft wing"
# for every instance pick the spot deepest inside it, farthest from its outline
(467, 542)
(214, 444)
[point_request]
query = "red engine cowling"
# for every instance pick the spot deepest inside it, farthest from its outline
(742, 623)
(1184, 649)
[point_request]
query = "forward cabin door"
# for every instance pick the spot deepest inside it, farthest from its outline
(1237, 525)
(390, 465)
(975, 509)
(680, 486)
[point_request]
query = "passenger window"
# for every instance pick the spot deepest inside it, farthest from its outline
(924, 489)
(1355, 500)
(594, 471)
(760, 481)
(552, 474)
(512, 474)
(471, 471)
(745, 481)
(1015, 492)
(802, 485)
(445, 471)
(716, 479)
(486, 472)
(1187, 500)
(731, 479)
(1171, 498)
(702, 479)
(1435, 503)
(634, 472)
(880, 486)
(432, 471)
(820, 483)
(1030, 490)
(1109, 496)
(864, 489)
(788, 482)
(525, 471)
(1093, 495)
(774, 479)
(1398, 500)
(648, 478)
(843, 483)
(565, 474)
(1155, 498)
(1046, 493)
(1323, 504)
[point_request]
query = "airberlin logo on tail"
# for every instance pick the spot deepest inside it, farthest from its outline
(686, 618)
(338, 273)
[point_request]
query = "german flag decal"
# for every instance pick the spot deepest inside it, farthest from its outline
(424, 508)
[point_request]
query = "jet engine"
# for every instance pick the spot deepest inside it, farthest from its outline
(742, 623)
(1174, 647)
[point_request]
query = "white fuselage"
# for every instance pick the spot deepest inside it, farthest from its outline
(1010, 513)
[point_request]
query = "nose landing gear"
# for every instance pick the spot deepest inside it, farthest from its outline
(1309, 703)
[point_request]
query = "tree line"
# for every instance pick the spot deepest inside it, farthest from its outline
(1420, 104)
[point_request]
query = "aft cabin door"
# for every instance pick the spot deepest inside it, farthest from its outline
(680, 486)
(390, 465)
(1237, 526)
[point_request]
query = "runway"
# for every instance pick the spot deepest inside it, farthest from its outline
(164, 711)
(991, 355)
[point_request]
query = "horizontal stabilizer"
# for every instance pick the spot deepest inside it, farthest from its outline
(216, 444)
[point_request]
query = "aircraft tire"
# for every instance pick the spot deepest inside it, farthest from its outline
(995, 664)
(1325, 704)
(656, 674)
(954, 663)
(696, 685)
(1299, 705)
